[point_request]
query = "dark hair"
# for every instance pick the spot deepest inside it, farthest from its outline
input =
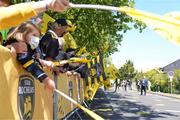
(60, 21)
(70, 50)
(49, 46)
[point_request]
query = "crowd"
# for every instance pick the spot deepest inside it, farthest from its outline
(34, 50)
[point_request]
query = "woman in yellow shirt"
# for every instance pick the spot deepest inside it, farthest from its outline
(18, 13)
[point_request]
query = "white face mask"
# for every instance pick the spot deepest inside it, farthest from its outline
(34, 42)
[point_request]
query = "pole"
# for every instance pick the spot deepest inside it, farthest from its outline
(171, 85)
(55, 100)
(91, 113)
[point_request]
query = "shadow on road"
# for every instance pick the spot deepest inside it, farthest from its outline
(114, 106)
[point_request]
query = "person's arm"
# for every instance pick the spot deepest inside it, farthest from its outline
(29, 65)
(18, 13)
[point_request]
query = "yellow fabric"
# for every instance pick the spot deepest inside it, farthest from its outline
(167, 26)
(46, 19)
(28, 63)
(79, 60)
(69, 41)
(15, 14)
(170, 32)
(9, 78)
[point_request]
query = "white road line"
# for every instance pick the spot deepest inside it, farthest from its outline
(173, 111)
(172, 100)
(134, 97)
(159, 104)
(133, 100)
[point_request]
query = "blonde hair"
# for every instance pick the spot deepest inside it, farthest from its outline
(24, 28)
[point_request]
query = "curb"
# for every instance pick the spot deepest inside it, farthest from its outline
(165, 94)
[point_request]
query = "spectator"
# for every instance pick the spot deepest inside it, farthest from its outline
(52, 43)
(18, 13)
(23, 40)
(157, 87)
(117, 84)
(144, 83)
(138, 85)
(149, 85)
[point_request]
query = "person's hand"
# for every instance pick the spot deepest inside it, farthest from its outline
(63, 62)
(13, 51)
(48, 64)
(20, 47)
(58, 5)
(49, 84)
(69, 73)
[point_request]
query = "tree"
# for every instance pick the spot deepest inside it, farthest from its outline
(176, 81)
(127, 71)
(156, 77)
(111, 72)
(99, 30)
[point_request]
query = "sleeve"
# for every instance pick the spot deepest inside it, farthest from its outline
(15, 14)
(29, 64)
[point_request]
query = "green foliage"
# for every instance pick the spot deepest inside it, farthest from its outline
(176, 81)
(139, 76)
(111, 72)
(127, 71)
(163, 82)
(99, 30)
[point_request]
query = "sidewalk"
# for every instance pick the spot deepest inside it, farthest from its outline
(165, 94)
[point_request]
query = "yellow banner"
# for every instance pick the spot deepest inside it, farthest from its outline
(167, 26)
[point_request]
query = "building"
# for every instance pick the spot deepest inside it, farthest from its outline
(172, 66)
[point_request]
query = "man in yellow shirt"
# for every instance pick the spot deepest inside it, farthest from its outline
(18, 13)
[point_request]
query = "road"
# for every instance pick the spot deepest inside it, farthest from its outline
(130, 105)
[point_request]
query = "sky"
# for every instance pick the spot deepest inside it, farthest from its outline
(147, 50)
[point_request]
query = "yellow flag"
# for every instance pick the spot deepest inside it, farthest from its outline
(79, 60)
(167, 26)
(46, 19)
(69, 41)
(170, 32)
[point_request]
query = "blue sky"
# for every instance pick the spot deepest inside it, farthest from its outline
(147, 49)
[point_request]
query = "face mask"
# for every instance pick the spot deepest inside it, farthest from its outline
(34, 42)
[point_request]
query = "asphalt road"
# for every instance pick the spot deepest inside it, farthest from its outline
(130, 105)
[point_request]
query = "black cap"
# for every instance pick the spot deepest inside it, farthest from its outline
(62, 21)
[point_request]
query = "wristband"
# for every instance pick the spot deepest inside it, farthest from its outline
(46, 6)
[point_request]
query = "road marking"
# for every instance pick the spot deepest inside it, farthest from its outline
(158, 100)
(174, 100)
(172, 111)
(159, 104)
(135, 97)
(132, 100)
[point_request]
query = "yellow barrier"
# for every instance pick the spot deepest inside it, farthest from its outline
(21, 95)
(24, 97)
(69, 86)
(35, 105)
